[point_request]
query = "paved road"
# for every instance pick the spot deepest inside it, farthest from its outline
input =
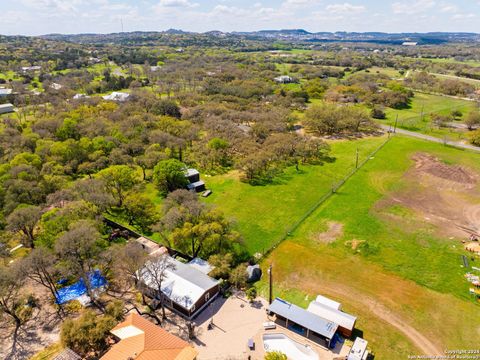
(433, 139)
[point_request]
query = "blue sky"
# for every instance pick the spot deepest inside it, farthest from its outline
(34, 17)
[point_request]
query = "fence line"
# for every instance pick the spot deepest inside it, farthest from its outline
(325, 197)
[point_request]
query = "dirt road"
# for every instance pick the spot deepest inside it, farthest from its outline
(382, 312)
(432, 139)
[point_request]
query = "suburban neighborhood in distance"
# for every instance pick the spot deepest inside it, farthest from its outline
(277, 180)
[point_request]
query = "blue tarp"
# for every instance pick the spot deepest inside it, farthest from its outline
(78, 289)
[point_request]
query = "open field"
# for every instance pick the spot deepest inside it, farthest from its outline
(386, 246)
(413, 120)
(281, 204)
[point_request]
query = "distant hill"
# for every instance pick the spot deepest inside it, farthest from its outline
(283, 34)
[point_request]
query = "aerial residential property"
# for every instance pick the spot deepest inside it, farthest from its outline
(239, 180)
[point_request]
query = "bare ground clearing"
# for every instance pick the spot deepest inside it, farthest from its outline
(438, 194)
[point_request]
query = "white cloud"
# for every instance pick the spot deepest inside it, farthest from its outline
(345, 8)
(463, 16)
(448, 8)
(414, 7)
(177, 3)
(53, 5)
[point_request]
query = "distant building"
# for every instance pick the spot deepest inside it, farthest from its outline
(117, 96)
(409, 43)
(188, 290)
(284, 79)
(140, 339)
(5, 92)
(31, 68)
(358, 350)
(80, 96)
(6, 108)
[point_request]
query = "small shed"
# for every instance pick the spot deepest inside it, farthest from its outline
(346, 322)
(328, 302)
(254, 273)
(193, 175)
(6, 108)
(197, 186)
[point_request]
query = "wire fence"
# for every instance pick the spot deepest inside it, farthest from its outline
(324, 198)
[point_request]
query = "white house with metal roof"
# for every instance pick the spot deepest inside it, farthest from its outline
(187, 288)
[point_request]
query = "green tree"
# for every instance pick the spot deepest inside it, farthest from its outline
(24, 220)
(140, 211)
(275, 355)
(238, 276)
(251, 294)
(472, 120)
(169, 175)
(79, 250)
(89, 333)
(167, 107)
(118, 180)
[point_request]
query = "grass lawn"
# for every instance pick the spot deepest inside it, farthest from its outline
(406, 269)
(281, 204)
(412, 119)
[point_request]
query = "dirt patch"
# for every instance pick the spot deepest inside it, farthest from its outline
(429, 164)
(334, 231)
(438, 194)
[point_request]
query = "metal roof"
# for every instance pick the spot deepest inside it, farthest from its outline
(303, 317)
(344, 320)
(191, 172)
(329, 302)
(183, 283)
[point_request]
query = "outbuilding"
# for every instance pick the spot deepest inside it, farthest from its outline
(117, 96)
(5, 92)
(302, 321)
(346, 322)
(6, 108)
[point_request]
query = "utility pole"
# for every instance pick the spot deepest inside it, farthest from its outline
(356, 160)
(395, 127)
(121, 22)
(270, 284)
